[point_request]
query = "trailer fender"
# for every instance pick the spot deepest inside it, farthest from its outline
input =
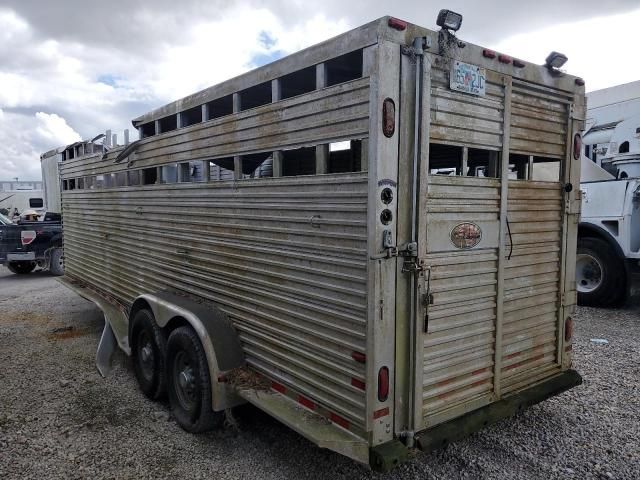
(216, 332)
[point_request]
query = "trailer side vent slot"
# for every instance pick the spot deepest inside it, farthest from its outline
(169, 174)
(345, 156)
(484, 163)
(220, 107)
(545, 169)
(147, 130)
(344, 68)
(191, 116)
(445, 159)
(168, 124)
(255, 96)
(149, 176)
(257, 165)
(221, 169)
(297, 83)
(301, 161)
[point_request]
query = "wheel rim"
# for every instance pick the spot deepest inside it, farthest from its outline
(146, 356)
(588, 273)
(184, 379)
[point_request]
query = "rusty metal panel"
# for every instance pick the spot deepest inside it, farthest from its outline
(538, 120)
(532, 276)
(460, 339)
(285, 258)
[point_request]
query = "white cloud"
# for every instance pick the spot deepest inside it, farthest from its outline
(601, 50)
(53, 128)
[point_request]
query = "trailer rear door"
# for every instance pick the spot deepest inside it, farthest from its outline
(492, 246)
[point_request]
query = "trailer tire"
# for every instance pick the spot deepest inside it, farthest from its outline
(600, 274)
(21, 268)
(148, 350)
(56, 265)
(189, 382)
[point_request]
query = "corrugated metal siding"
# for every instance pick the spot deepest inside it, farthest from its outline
(532, 277)
(538, 120)
(285, 258)
(459, 344)
(462, 119)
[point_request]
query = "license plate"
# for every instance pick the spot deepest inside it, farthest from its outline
(468, 78)
(16, 257)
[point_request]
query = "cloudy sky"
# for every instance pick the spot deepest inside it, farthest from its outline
(70, 69)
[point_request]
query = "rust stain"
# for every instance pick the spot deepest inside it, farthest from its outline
(65, 333)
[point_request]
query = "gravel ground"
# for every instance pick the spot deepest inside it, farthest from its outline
(60, 419)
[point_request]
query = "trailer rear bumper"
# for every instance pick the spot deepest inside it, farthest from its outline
(461, 427)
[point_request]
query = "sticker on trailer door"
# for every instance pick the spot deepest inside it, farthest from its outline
(466, 235)
(468, 78)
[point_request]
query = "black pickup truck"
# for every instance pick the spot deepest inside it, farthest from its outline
(27, 245)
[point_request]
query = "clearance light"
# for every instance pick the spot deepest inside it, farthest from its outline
(518, 63)
(388, 118)
(488, 53)
(577, 146)
(383, 384)
(397, 24)
(504, 59)
(579, 82)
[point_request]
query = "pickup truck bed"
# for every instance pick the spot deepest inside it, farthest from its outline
(26, 245)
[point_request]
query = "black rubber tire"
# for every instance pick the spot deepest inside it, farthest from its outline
(56, 266)
(611, 292)
(21, 268)
(150, 370)
(184, 346)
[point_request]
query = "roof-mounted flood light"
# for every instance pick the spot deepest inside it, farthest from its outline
(555, 60)
(449, 20)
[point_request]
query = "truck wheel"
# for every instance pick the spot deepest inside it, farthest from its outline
(56, 265)
(21, 268)
(148, 349)
(189, 383)
(600, 274)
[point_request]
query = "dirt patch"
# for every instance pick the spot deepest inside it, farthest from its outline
(244, 379)
(64, 333)
(23, 317)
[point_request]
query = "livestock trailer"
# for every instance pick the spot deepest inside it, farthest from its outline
(352, 238)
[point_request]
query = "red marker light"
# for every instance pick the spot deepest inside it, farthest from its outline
(504, 58)
(488, 53)
(383, 384)
(579, 82)
(397, 24)
(577, 146)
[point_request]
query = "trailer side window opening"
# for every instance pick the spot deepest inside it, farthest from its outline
(257, 165)
(445, 159)
(297, 83)
(221, 169)
(168, 174)
(344, 68)
(90, 182)
(121, 179)
(345, 156)
(255, 96)
(168, 124)
(147, 130)
(134, 177)
(219, 107)
(72, 184)
(545, 169)
(149, 176)
(36, 203)
(191, 116)
(301, 161)
(80, 183)
(484, 163)
(100, 181)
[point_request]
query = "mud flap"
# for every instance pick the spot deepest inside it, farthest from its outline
(106, 347)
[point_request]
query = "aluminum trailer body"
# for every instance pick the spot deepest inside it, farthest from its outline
(380, 302)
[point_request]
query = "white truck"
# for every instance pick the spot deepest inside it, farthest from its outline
(14, 202)
(608, 259)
